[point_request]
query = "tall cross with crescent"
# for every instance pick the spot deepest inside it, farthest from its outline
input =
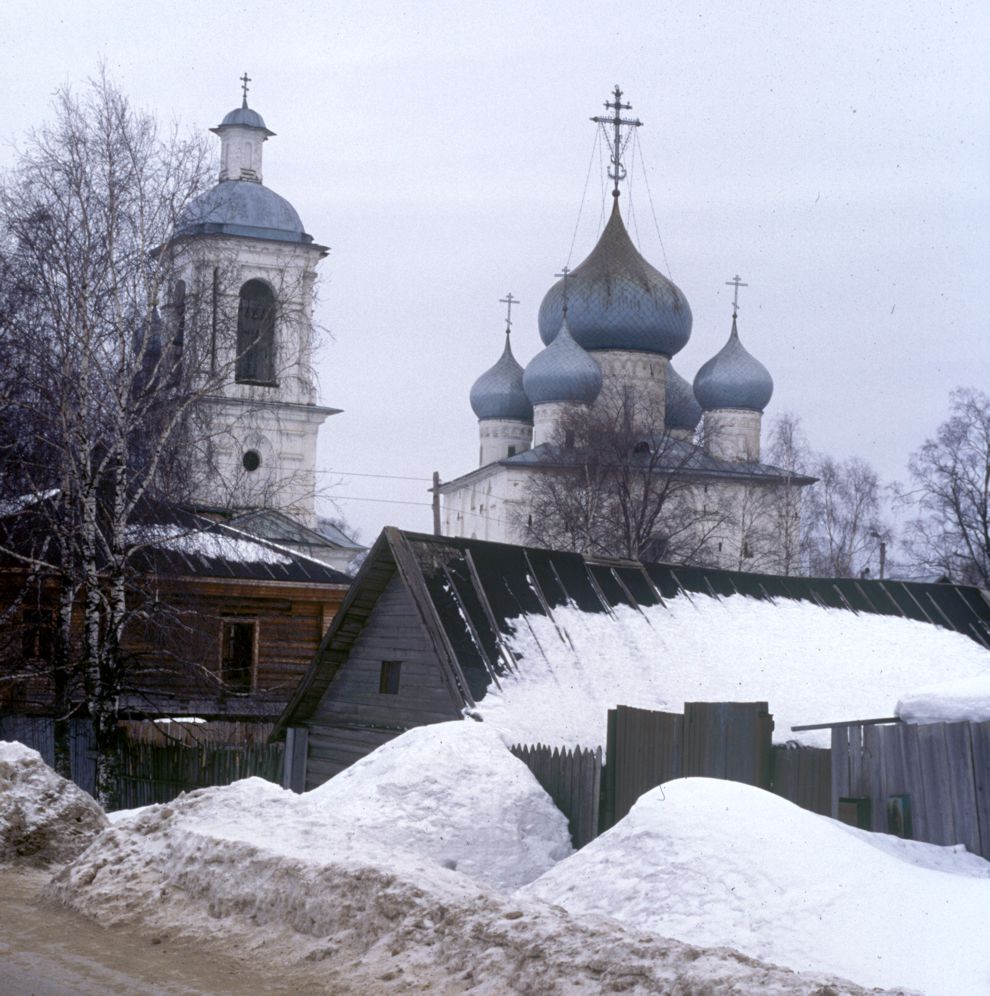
(617, 171)
(736, 283)
(245, 79)
(508, 301)
(563, 273)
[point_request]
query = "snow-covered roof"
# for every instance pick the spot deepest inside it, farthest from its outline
(514, 627)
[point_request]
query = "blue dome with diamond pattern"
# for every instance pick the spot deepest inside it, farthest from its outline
(499, 392)
(733, 378)
(562, 372)
(617, 300)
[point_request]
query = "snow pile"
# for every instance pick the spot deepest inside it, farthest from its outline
(44, 819)
(966, 699)
(264, 873)
(812, 664)
(719, 863)
(452, 793)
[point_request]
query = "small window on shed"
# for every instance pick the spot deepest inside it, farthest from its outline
(237, 660)
(388, 679)
(856, 811)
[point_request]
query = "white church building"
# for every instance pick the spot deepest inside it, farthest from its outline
(611, 328)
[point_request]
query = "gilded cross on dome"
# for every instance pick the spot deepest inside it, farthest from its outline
(617, 146)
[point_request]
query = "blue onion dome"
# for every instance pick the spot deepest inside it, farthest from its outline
(617, 300)
(562, 372)
(682, 408)
(733, 379)
(499, 392)
(246, 117)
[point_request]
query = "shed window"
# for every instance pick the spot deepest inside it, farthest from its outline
(237, 662)
(388, 679)
(256, 334)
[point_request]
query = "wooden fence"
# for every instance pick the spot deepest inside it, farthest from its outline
(928, 782)
(730, 740)
(572, 778)
(150, 772)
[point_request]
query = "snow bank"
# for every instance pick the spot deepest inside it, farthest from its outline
(452, 793)
(44, 819)
(967, 699)
(719, 863)
(264, 873)
(812, 665)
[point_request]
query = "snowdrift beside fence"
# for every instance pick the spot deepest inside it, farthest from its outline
(719, 863)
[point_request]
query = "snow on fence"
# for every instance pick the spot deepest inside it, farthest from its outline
(150, 772)
(928, 782)
(572, 778)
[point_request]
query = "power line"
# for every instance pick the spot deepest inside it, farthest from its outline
(387, 477)
(383, 501)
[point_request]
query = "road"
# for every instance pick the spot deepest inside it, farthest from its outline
(47, 950)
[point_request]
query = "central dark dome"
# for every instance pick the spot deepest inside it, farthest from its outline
(617, 300)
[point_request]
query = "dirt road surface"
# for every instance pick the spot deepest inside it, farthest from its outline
(46, 950)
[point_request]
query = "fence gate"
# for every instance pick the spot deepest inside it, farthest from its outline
(731, 740)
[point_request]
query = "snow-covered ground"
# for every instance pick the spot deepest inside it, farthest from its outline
(720, 863)
(438, 863)
(812, 664)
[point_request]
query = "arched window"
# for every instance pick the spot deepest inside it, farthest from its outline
(256, 334)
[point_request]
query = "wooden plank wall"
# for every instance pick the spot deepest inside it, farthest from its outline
(644, 749)
(803, 775)
(730, 740)
(944, 769)
(353, 717)
(572, 778)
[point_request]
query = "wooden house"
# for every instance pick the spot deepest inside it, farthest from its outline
(422, 634)
(223, 624)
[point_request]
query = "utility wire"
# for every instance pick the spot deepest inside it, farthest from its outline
(584, 195)
(653, 210)
(387, 477)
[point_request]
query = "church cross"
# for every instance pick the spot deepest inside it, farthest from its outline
(617, 171)
(508, 301)
(563, 273)
(736, 283)
(245, 79)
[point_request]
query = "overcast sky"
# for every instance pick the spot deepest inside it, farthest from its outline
(836, 155)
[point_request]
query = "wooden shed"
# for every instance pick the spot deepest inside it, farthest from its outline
(422, 634)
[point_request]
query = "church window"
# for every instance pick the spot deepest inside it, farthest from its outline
(568, 439)
(388, 678)
(238, 655)
(256, 334)
(512, 451)
(746, 550)
(251, 461)
(641, 447)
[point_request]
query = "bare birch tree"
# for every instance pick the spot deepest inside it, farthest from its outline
(951, 473)
(619, 483)
(104, 371)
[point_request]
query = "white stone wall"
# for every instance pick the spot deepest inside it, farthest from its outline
(547, 419)
(643, 373)
(240, 152)
(733, 434)
(501, 438)
(489, 505)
